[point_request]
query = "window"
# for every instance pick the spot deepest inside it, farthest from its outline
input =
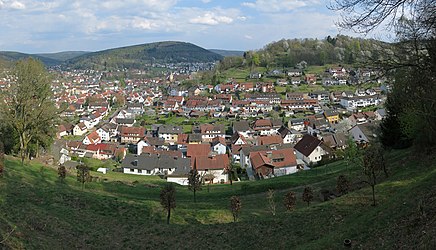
(148, 171)
(139, 171)
(132, 170)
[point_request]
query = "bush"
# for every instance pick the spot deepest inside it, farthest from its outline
(290, 200)
(235, 207)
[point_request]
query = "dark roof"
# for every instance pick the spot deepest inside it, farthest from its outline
(170, 129)
(248, 150)
(295, 121)
(125, 120)
(330, 112)
(155, 141)
(194, 138)
(283, 131)
(276, 122)
(241, 126)
(150, 162)
(307, 145)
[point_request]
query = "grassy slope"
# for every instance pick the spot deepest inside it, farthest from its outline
(124, 211)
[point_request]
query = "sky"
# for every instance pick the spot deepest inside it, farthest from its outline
(37, 26)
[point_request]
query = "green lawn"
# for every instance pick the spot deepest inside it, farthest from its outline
(37, 211)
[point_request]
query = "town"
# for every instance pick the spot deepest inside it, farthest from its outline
(259, 129)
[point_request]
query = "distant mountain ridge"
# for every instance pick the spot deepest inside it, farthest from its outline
(9, 56)
(64, 55)
(138, 56)
(227, 52)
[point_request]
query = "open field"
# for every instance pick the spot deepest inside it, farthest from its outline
(123, 211)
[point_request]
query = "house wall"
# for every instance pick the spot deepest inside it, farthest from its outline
(289, 138)
(78, 131)
(285, 171)
(220, 149)
(316, 155)
(105, 136)
(178, 180)
(138, 171)
(218, 175)
(140, 146)
(126, 139)
(358, 135)
(170, 138)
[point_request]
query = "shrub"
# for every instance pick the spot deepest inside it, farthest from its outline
(235, 207)
(307, 195)
(290, 200)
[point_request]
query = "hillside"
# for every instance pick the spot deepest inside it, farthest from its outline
(290, 53)
(39, 212)
(12, 56)
(64, 55)
(227, 52)
(139, 56)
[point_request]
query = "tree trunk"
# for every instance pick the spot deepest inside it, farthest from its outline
(195, 200)
(308, 203)
(22, 150)
(373, 195)
(373, 187)
(169, 212)
(37, 149)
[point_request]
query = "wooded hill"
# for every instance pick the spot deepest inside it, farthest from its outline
(292, 52)
(12, 56)
(138, 55)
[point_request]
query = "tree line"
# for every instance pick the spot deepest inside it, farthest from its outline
(288, 53)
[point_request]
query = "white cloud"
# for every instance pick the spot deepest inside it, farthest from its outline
(248, 37)
(278, 5)
(206, 1)
(143, 24)
(210, 18)
(13, 5)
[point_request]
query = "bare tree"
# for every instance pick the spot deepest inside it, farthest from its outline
(290, 200)
(271, 202)
(235, 207)
(83, 174)
(194, 182)
(365, 15)
(372, 165)
(168, 199)
(62, 172)
(231, 169)
(307, 195)
(342, 185)
(2, 159)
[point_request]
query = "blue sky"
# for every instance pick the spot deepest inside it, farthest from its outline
(34, 26)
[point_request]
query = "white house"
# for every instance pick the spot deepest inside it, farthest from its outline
(92, 138)
(364, 133)
(104, 134)
(310, 149)
(80, 129)
(219, 146)
(213, 169)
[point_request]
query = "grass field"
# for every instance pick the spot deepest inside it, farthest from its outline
(37, 211)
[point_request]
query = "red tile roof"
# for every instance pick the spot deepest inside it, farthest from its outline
(133, 132)
(195, 150)
(210, 162)
(271, 139)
